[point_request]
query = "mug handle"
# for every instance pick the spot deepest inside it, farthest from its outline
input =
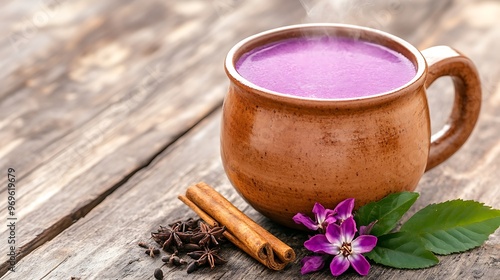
(445, 61)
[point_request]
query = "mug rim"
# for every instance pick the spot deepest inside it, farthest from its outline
(299, 29)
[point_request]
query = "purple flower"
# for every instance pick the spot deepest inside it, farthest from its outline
(340, 242)
(312, 263)
(343, 210)
(365, 230)
(323, 218)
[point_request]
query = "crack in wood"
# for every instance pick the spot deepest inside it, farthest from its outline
(65, 222)
(55, 267)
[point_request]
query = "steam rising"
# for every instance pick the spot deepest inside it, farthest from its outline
(370, 13)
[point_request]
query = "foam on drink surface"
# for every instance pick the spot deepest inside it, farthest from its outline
(326, 68)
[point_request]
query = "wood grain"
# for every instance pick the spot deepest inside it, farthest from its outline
(91, 129)
(109, 97)
(148, 199)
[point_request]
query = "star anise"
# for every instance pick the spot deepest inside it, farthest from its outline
(208, 235)
(195, 237)
(186, 225)
(208, 256)
(170, 239)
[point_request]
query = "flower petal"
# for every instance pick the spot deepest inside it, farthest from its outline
(344, 209)
(319, 212)
(334, 234)
(323, 216)
(364, 230)
(312, 263)
(364, 243)
(339, 265)
(330, 219)
(348, 229)
(359, 263)
(300, 218)
(319, 244)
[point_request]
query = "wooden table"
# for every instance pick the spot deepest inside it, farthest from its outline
(110, 109)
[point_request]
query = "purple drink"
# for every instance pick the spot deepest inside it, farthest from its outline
(326, 68)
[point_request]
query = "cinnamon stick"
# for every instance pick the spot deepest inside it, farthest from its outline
(247, 235)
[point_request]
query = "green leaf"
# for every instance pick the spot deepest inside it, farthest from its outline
(387, 211)
(402, 250)
(453, 226)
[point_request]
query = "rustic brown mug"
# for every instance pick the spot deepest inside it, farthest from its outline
(284, 153)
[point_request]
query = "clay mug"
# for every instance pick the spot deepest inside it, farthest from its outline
(284, 153)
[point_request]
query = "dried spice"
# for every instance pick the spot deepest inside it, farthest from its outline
(192, 267)
(158, 274)
(186, 225)
(209, 256)
(170, 239)
(242, 231)
(192, 236)
(209, 235)
(151, 250)
(173, 260)
(192, 247)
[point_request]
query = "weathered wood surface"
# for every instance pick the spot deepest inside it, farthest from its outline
(110, 95)
(81, 116)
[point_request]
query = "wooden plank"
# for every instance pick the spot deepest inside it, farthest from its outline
(148, 199)
(98, 62)
(108, 96)
(154, 192)
(149, 196)
(475, 165)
